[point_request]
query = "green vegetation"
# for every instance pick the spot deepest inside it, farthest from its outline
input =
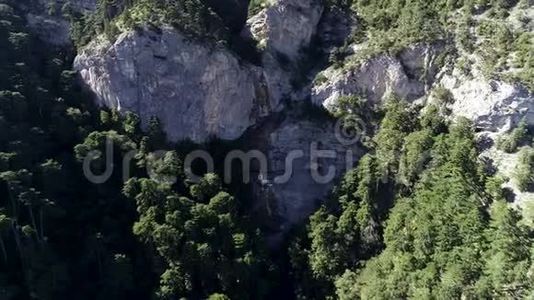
(516, 138)
(389, 26)
(256, 6)
(216, 22)
(191, 16)
(418, 218)
(524, 173)
(443, 96)
(506, 51)
(202, 19)
(205, 242)
(85, 27)
(62, 237)
(430, 224)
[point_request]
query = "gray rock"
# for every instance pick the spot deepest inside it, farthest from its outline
(409, 76)
(286, 26)
(196, 90)
(493, 106)
(282, 30)
(285, 203)
(214, 93)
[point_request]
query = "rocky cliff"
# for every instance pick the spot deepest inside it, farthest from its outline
(305, 159)
(409, 75)
(197, 91)
(283, 31)
(496, 108)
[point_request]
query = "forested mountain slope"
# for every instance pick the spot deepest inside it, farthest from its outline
(424, 107)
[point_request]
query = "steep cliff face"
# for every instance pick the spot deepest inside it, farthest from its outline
(282, 31)
(305, 159)
(196, 90)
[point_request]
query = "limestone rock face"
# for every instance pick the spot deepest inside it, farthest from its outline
(408, 75)
(287, 25)
(493, 106)
(195, 90)
(306, 152)
(282, 30)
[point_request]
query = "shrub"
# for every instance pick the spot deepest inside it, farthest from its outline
(320, 79)
(510, 143)
(524, 172)
(443, 96)
(256, 6)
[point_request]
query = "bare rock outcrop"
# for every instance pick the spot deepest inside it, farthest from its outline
(196, 90)
(493, 105)
(286, 26)
(283, 30)
(408, 75)
(199, 90)
(496, 107)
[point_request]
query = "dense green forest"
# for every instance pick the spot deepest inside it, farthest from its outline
(442, 231)
(63, 237)
(420, 217)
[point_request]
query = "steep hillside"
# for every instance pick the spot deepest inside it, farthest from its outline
(386, 149)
